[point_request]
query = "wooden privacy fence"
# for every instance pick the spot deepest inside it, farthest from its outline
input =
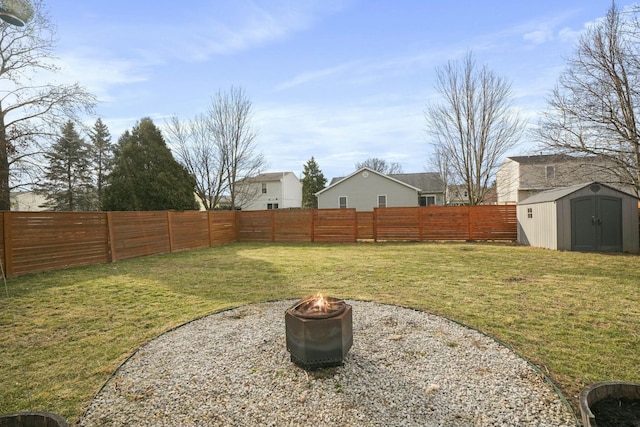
(445, 223)
(40, 241)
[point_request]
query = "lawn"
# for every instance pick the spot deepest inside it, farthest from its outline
(575, 315)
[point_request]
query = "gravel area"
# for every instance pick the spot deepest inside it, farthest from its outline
(406, 368)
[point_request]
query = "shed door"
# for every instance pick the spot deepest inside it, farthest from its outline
(596, 224)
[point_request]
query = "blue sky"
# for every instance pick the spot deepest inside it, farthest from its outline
(340, 80)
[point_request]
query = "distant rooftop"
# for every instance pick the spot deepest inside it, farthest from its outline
(267, 177)
(425, 181)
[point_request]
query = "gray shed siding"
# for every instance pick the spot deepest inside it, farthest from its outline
(629, 221)
(551, 225)
(362, 193)
(541, 229)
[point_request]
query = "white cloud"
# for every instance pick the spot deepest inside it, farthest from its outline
(339, 137)
(244, 25)
(539, 36)
(99, 75)
(312, 76)
(568, 35)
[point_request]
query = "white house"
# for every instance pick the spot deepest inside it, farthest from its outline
(27, 201)
(272, 190)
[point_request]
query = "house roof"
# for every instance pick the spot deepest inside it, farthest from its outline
(560, 192)
(267, 177)
(336, 181)
(426, 182)
(554, 158)
(544, 158)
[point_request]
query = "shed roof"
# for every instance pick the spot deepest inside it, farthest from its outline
(560, 192)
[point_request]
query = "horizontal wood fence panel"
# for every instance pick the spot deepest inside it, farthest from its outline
(255, 226)
(445, 223)
(293, 225)
(397, 224)
(53, 240)
(222, 227)
(136, 234)
(189, 230)
(493, 222)
(334, 225)
(39, 241)
(365, 226)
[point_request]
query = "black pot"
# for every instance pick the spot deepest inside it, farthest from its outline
(599, 391)
(32, 419)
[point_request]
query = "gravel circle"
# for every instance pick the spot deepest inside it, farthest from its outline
(406, 368)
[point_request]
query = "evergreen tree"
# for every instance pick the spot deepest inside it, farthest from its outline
(312, 181)
(67, 183)
(145, 176)
(101, 158)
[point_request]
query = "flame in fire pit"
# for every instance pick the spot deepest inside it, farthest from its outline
(320, 304)
(318, 307)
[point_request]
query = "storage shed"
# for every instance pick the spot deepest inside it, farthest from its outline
(590, 217)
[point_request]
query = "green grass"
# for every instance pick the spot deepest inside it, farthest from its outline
(575, 315)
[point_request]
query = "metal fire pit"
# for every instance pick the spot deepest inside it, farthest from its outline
(318, 338)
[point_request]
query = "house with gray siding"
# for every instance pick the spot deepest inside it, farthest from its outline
(520, 177)
(366, 189)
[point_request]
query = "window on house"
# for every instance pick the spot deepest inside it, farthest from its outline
(382, 201)
(342, 202)
(272, 206)
(264, 188)
(529, 212)
(427, 200)
(550, 172)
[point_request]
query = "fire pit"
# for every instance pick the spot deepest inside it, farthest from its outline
(319, 332)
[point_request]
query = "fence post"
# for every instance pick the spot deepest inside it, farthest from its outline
(273, 225)
(469, 214)
(8, 247)
(112, 244)
(170, 229)
(375, 224)
(420, 224)
(313, 225)
(209, 229)
(236, 219)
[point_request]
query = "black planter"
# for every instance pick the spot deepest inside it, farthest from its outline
(600, 391)
(32, 419)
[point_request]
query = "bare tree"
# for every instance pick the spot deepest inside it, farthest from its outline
(442, 163)
(197, 149)
(218, 148)
(593, 110)
(381, 165)
(30, 112)
(231, 113)
(474, 126)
